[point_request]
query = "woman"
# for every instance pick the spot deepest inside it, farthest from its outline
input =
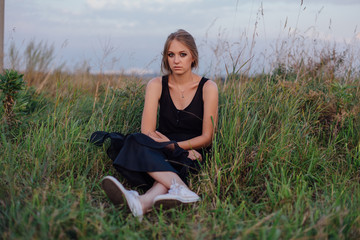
(187, 119)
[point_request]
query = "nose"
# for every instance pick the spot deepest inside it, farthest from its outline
(177, 59)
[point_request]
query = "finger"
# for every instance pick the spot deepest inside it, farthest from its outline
(192, 157)
(198, 155)
(161, 135)
(151, 134)
(155, 138)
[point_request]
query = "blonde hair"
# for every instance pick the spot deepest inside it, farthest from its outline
(185, 38)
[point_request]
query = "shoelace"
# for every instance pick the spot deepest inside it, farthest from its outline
(134, 192)
(175, 188)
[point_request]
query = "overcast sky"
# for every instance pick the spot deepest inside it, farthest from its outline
(133, 31)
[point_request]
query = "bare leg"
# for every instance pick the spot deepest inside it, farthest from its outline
(177, 194)
(147, 199)
(166, 178)
(163, 181)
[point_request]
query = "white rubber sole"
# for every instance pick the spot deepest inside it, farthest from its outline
(117, 193)
(170, 201)
(114, 190)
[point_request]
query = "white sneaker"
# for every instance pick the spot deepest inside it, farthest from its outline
(116, 193)
(177, 194)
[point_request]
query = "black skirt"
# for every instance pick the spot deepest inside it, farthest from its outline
(136, 154)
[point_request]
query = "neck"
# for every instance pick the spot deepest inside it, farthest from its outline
(183, 78)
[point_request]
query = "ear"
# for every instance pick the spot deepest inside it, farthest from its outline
(193, 61)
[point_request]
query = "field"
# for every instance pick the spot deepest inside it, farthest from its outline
(285, 163)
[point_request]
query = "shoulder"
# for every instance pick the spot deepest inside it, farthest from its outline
(154, 85)
(210, 87)
(210, 92)
(155, 82)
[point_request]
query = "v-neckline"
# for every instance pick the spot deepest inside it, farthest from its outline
(192, 100)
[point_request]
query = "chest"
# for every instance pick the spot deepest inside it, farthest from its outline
(182, 97)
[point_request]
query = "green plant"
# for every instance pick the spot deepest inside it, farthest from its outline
(11, 82)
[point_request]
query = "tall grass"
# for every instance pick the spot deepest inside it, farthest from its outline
(285, 163)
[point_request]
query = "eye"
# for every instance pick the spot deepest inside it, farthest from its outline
(183, 54)
(170, 54)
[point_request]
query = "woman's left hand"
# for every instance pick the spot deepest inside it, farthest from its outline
(194, 155)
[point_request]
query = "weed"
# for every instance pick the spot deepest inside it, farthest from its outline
(284, 163)
(11, 82)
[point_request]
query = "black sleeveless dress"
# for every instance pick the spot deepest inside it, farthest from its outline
(180, 125)
(140, 154)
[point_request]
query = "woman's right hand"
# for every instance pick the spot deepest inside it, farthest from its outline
(194, 155)
(158, 137)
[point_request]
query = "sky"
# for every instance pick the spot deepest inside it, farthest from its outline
(128, 35)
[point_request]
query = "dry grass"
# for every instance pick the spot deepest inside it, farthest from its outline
(284, 165)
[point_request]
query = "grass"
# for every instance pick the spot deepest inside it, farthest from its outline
(282, 165)
(285, 163)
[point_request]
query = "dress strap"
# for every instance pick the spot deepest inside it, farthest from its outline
(203, 81)
(201, 85)
(165, 80)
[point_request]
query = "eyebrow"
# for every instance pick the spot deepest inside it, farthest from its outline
(179, 51)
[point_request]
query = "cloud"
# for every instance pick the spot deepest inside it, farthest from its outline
(100, 4)
(334, 2)
(340, 2)
(139, 71)
(135, 4)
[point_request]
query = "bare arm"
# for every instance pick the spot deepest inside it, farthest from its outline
(152, 97)
(210, 98)
(148, 122)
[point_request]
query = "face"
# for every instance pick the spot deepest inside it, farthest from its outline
(179, 57)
